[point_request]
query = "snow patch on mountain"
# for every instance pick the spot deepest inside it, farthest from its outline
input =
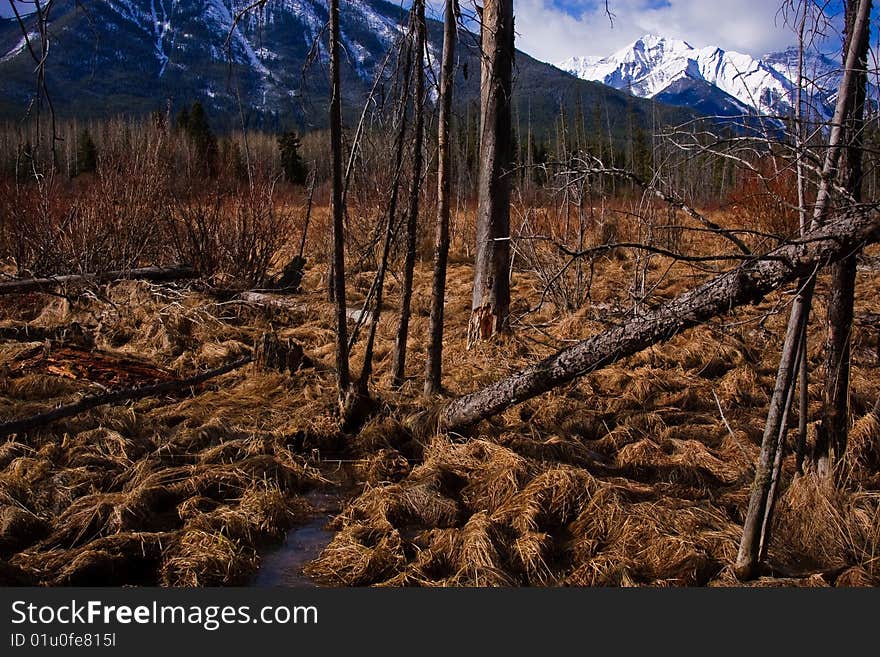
(19, 47)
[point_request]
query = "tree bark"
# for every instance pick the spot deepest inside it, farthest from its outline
(434, 363)
(770, 506)
(398, 368)
(759, 514)
(337, 274)
(491, 299)
(748, 283)
(831, 437)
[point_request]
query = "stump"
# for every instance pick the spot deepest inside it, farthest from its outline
(291, 276)
(272, 353)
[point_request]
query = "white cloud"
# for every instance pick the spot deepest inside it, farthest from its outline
(550, 34)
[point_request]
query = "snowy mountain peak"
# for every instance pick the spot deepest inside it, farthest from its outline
(711, 79)
(656, 43)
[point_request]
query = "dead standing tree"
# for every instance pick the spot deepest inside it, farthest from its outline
(391, 224)
(343, 379)
(433, 365)
(491, 300)
(399, 361)
(37, 38)
(759, 515)
(831, 437)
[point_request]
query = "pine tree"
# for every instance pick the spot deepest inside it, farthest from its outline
(295, 170)
(86, 153)
(182, 121)
(193, 122)
(202, 137)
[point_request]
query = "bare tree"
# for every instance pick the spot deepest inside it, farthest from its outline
(37, 43)
(391, 225)
(831, 437)
(343, 380)
(759, 515)
(398, 368)
(491, 299)
(434, 363)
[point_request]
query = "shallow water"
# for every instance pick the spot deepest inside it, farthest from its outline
(283, 565)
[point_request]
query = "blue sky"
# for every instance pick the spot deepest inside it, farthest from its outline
(552, 30)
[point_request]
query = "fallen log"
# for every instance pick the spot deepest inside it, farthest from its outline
(107, 369)
(73, 333)
(155, 274)
(126, 394)
(747, 283)
(267, 300)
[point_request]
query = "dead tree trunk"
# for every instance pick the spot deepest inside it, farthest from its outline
(803, 216)
(831, 437)
(748, 283)
(378, 287)
(127, 394)
(434, 363)
(491, 300)
(758, 520)
(337, 275)
(155, 274)
(398, 368)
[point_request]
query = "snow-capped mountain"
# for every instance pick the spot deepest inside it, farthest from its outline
(111, 57)
(710, 79)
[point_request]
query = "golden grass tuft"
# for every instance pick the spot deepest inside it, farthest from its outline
(357, 556)
(549, 501)
(200, 558)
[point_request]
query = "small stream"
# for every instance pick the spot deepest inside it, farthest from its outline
(283, 565)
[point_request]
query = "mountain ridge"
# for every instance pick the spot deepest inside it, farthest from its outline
(676, 72)
(134, 56)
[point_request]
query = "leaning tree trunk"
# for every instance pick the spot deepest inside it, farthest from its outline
(433, 365)
(758, 520)
(748, 283)
(398, 368)
(491, 300)
(337, 275)
(831, 436)
(378, 287)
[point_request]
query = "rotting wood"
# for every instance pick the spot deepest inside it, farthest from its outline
(128, 394)
(155, 274)
(75, 363)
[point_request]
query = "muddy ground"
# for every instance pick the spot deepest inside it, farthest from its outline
(635, 475)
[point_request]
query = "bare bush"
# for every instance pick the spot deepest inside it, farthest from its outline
(231, 238)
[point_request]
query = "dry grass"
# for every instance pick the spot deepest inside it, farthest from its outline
(629, 476)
